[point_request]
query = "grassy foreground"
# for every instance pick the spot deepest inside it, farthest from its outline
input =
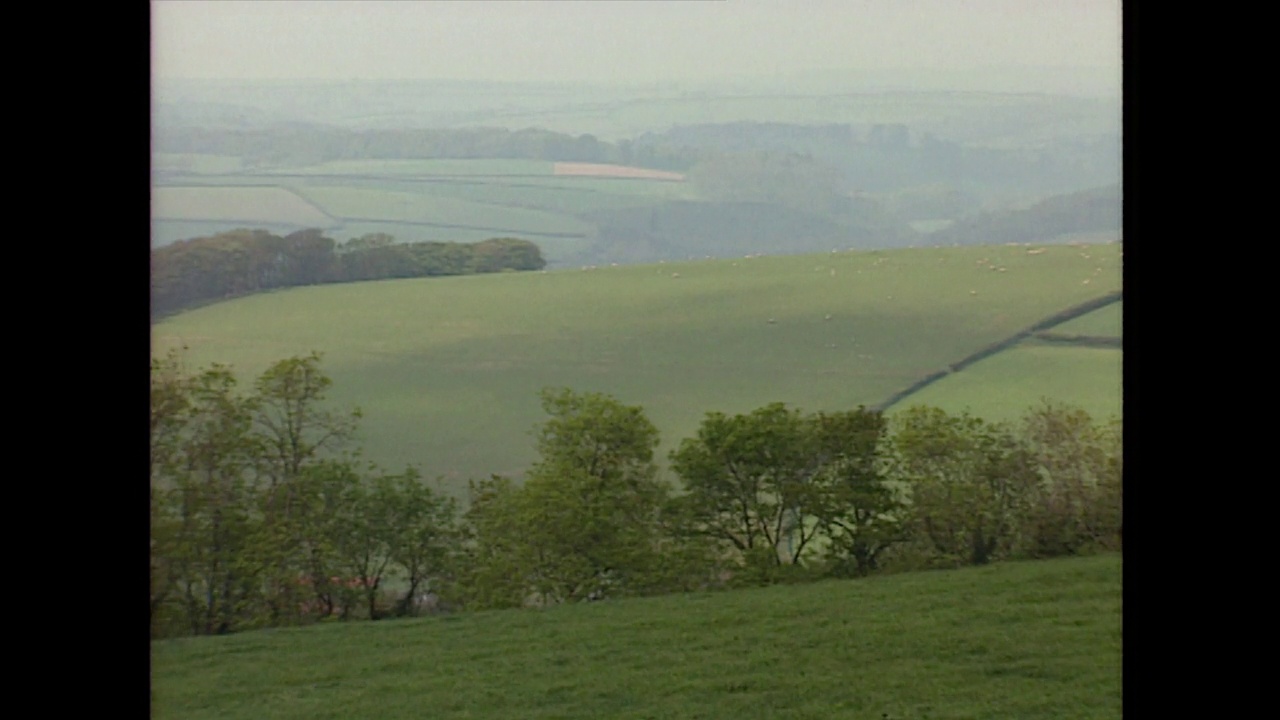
(1020, 640)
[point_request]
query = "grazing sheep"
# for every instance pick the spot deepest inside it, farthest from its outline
(675, 275)
(828, 317)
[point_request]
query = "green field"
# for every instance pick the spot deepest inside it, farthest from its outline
(197, 163)
(419, 168)
(1103, 322)
(1032, 641)
(412, 200)
(349, 203)
(244, 204)
(448, 370)
(1003, 385)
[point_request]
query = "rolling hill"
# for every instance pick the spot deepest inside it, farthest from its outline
(448, 370)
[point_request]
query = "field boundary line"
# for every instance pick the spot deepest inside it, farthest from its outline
(1033, 330)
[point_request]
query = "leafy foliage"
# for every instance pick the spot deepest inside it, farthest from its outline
(259, 518)
(967, 479)
(242, 262)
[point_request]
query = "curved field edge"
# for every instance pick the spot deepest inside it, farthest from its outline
(1033, 640)
(1104, 322)
(448, 370)
(1003, 386)
(1053, 321)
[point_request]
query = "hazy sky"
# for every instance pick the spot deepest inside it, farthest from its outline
(620, 40)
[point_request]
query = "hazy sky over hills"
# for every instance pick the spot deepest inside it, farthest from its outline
(640, 41)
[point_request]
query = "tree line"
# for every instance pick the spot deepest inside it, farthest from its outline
(263, 515)
(243, 262)
(314, 144)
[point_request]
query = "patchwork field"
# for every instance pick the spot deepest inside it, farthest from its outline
(412, 200)
(448, 370)
(245, 204)
(352, 204)
(1034, 641)
(614, 171)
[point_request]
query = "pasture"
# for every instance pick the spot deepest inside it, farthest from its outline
(422, 168)
(383, 206)
(1103, 322)
(1034, 641)
(412, 200)
(242, 204)
(448, 370)
(1002, 386)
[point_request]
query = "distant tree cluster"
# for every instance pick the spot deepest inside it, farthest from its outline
(1089, 211)
(242, 262)
(313, 144)
(258, 519)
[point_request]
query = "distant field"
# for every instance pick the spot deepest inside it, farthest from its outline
(1033, 641)
(448, 369)
(422, 167)
(196, 163)
(376, 205)
(614, 171)
(572, 198)
(928, 226)
(236, 204)
(412, 200)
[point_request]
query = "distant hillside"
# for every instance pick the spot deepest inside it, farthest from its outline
(682, 230)
(1094, 211)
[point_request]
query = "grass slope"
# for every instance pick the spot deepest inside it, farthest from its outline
(447, 370)
(1034, 641)
(1103, 322)
(1002, 386)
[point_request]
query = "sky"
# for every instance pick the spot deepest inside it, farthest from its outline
(631, 41)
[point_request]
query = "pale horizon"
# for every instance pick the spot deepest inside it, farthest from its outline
(627, 41)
